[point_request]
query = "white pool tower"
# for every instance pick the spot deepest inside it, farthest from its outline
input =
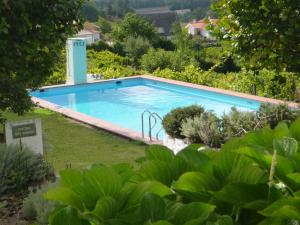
(76, 61)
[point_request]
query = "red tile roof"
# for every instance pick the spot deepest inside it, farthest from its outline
(202, 24)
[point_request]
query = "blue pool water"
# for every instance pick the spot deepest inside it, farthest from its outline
(122, 103)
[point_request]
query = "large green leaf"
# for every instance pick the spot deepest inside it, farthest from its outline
(196, 185)
(153, 208)
(125, 170)
(248, 174)
(104, 181)
(221, 220)
(295, 177)
(66, 216)
(286, 146)
(295, 129)
(158, 170)
(254, 154)
(161, 222)
(193, 159)
(283, 166)
(281, 130)
(192, 147)
(227, 163)
(261, 140)
(137, 192)
(74, 180)
(192, 214)
(106, 207)
(284, 208)
(66, 196)
(233, 143)
(274, 221)
(159, 152)
(242, 194)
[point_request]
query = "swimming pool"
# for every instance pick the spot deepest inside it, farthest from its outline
(121, 102)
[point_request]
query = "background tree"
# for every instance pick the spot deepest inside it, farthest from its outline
(136, 48)
(104, 25)
(32, 35)
(265, 33)
(90, 12)
(135, 26)
(121, 7)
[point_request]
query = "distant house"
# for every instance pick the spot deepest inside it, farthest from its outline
(182, 11)
(162, 17)
(91, 36)
(200, 28)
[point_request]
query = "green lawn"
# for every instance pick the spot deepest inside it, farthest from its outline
(74, 143)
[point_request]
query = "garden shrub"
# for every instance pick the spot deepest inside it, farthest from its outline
(284, 85)
(100, 46)
(270, 114)
(160, 59)
(173, 120)
(58, 77)
(117, 72)
(204, 128)
(280, 85)
(109, 64)
(237, 123)
(21, 169)
(104, 59)
(36, 207)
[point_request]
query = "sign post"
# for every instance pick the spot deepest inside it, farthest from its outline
(26, 133)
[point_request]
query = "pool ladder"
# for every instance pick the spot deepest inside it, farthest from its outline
(153, 117)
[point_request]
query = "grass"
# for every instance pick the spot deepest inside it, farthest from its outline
(72, 143)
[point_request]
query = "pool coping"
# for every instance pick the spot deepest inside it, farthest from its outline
(128, 133)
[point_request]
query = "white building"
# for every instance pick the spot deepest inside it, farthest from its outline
(200, 28)
(91, 36)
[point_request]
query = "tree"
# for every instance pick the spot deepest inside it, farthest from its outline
(104, 25)
(265, 33)
(32, 35)
(136, 48)
(121, 7)
(90, 12)
(135, 26)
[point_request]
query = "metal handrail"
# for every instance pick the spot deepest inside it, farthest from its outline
(142, 117)
(153, 115)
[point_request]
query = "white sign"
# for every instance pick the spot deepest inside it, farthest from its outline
(26, 133)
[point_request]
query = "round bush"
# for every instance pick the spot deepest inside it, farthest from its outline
(203, 129)
(173, 120)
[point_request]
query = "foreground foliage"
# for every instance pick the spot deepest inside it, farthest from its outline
(21, 169)
(251, 180)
